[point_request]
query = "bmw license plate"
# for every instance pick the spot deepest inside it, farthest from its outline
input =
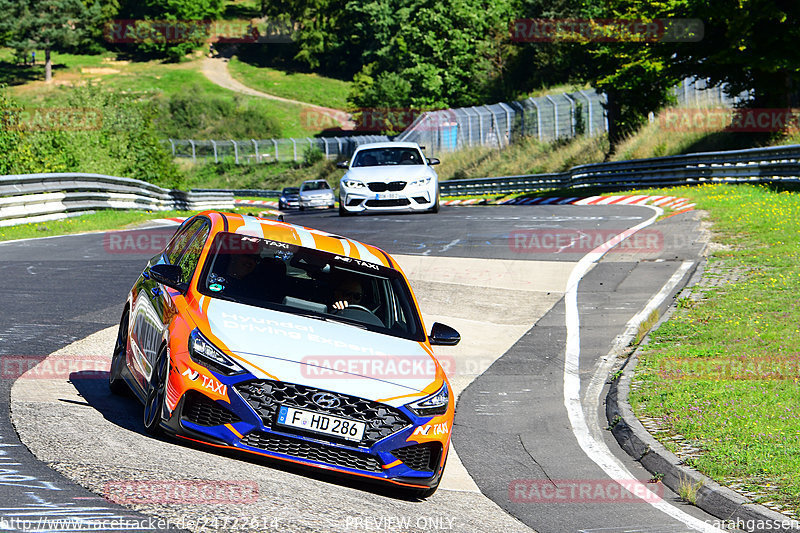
(388, 196)
(321, 423)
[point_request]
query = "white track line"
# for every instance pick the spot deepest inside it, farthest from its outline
(596, 450)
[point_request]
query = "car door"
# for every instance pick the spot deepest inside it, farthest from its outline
(152, 305)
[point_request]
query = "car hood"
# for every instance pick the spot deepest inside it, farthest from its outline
(322, 354)
(390, 173)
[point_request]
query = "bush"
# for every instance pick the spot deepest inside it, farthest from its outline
(311, 155)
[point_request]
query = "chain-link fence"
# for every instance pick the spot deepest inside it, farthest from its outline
(547, 118)
(268, 150)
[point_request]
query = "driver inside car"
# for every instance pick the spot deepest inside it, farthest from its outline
(348, 292)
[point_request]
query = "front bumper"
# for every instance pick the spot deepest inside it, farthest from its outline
(361, 201)
(248, 424)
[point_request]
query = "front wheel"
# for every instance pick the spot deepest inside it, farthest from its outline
(156, 394)
(435, 208)
(343, 212)
(115, 380)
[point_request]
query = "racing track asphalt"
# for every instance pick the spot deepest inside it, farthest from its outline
(59, 290)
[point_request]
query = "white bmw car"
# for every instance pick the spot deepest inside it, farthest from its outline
(388, 176)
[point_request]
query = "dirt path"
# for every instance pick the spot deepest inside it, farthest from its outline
(216, 70)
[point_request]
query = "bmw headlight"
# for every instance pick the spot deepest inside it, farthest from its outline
(421, 182)
(433, 405)
(205, 353)
(353, 184)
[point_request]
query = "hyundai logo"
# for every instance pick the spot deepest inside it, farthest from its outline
(326, 400)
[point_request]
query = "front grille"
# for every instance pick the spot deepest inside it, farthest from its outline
(204, 411)
(265, 396)
(423, 457)
(354, 201)
(312, 451)
(382, 187)
(401, 202)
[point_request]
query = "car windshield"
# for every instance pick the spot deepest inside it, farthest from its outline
(315, 186)
(376, 157)
(291, 190)
(299, 280)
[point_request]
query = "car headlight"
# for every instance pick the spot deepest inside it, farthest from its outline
(353, 184)
(435, 404)
(421, 182)
(205, 353)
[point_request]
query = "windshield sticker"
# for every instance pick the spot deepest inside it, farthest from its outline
(216, 287)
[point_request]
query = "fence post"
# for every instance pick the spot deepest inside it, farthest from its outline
(194, 153)
(538, 119)
(508, 121)
(235, 152)
(325, 142)
(255, 149)
(214, 144)
(172, 144)
(589, 111)
(276, 149)
(294, 147)
(555, 116)
(572, 114)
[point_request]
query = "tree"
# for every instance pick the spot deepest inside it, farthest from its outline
(43, 25)
(170, 28)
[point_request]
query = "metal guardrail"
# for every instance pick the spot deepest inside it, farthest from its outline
(268, 150)
(756, 165)
(29, 198)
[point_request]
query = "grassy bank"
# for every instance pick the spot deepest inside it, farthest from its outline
(722, 373)
(305, 87)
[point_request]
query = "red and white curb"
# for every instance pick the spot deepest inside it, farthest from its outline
(669, 202)
(255, 203)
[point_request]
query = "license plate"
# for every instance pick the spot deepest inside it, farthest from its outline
(388, 196)
(321, 423)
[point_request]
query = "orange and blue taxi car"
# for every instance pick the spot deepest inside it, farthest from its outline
(290, 343)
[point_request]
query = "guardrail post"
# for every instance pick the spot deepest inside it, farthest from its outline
(194, 151)
(214, 144)
(255, 149)
(235, 152)
(276, 148)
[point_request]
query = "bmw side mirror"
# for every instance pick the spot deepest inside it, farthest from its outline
(169, 275)
(442, 335)
(433, 161)
(343, 164)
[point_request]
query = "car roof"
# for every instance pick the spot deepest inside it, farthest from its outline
(299, 235)
(388, 145)
(315, 181)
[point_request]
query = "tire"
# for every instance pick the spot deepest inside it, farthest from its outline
(435, 208)
(116, 383)
(343, 212)
(156, 395)
(302, 207)
(281, 206)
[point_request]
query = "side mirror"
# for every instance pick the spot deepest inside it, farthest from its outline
(442, 335)
(433, 161)
(169, 275)
(343, 164)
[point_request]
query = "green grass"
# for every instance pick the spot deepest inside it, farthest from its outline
(305, 87)
(99, 221)
(149, 78)
(747, 424)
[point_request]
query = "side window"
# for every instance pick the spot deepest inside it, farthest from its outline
(180, 242)
(188, 261)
